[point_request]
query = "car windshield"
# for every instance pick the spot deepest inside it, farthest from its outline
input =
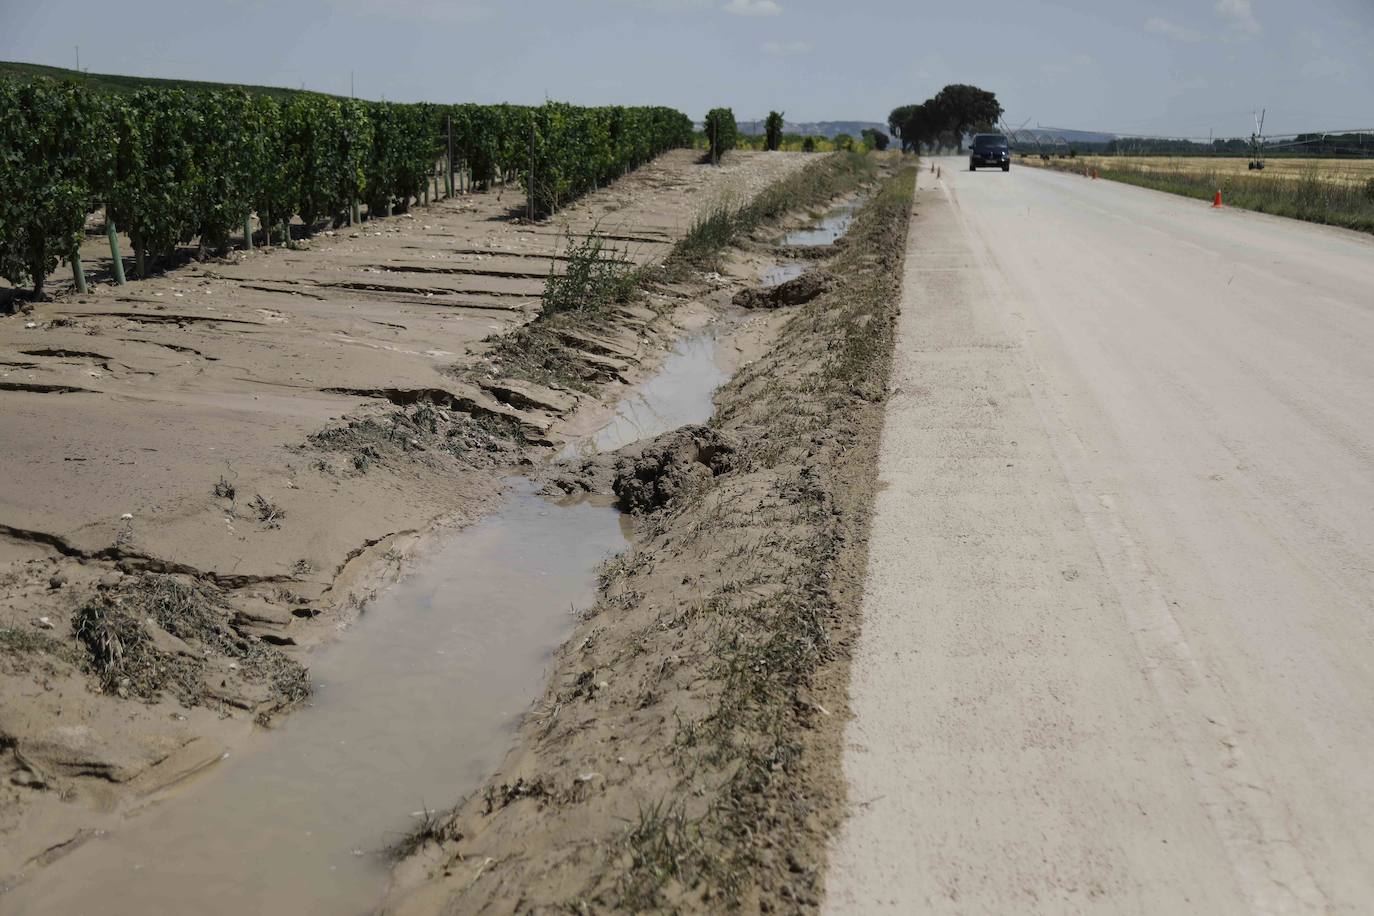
(990, 140)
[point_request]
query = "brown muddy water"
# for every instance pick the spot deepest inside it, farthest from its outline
(414, 706)
(776, 276)
(829, 228)
(678, 393)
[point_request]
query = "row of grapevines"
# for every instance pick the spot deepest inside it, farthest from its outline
(578, 149)
(171, 166)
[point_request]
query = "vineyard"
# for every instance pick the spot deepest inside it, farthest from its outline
(170, 166)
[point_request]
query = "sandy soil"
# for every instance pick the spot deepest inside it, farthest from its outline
(1115, 655)
(342, 383)
(686, 753)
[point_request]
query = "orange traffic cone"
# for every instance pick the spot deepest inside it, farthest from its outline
(1094, 174)
(1216, 201)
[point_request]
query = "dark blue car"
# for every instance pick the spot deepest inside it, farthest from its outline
(989, 149)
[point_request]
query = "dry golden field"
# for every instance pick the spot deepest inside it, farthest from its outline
(1342, 171)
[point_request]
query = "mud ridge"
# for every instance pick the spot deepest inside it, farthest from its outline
(284, 292)
(166, 318)
(41, 388)
(463, 271)
(136, 560)
(493, 253)
(177, 348)
(61, 353)
(423, 291)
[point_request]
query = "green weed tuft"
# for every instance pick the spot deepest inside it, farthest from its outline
(596, 276)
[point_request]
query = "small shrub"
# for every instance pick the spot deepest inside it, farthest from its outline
(773, 131)
(597, 275)
(722, 134)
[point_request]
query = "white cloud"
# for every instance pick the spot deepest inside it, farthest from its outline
(1172, 30)
(753, 7)
(1239, 17)
(786, 48)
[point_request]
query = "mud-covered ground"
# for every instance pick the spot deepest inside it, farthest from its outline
(209, 471)
(685, 756)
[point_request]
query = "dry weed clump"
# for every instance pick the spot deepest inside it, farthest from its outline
(118, 629)
(419, 431)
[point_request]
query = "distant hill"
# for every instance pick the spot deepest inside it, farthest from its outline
(814, 128)
(106, 82)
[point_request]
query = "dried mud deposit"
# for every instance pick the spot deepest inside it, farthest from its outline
(686, 753)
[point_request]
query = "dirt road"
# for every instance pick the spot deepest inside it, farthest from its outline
(1117, 640)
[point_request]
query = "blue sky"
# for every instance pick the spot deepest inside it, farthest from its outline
(1170, 66)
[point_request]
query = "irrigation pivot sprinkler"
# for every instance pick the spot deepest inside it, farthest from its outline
(1257, 143)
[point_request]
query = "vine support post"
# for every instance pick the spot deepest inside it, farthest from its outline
(248, 232)
(448, 160)
(140, 261)
(78, 272)
(357, 215)
(530, 181)
(116, 260)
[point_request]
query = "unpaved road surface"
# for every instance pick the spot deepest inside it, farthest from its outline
(1118, 646)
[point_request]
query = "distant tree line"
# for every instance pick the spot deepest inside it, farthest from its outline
(945, 119)
(1344, 145)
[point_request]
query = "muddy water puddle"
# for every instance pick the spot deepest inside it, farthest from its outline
(776, 276)
(680, 392)
(414, 706)
(829, 228)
